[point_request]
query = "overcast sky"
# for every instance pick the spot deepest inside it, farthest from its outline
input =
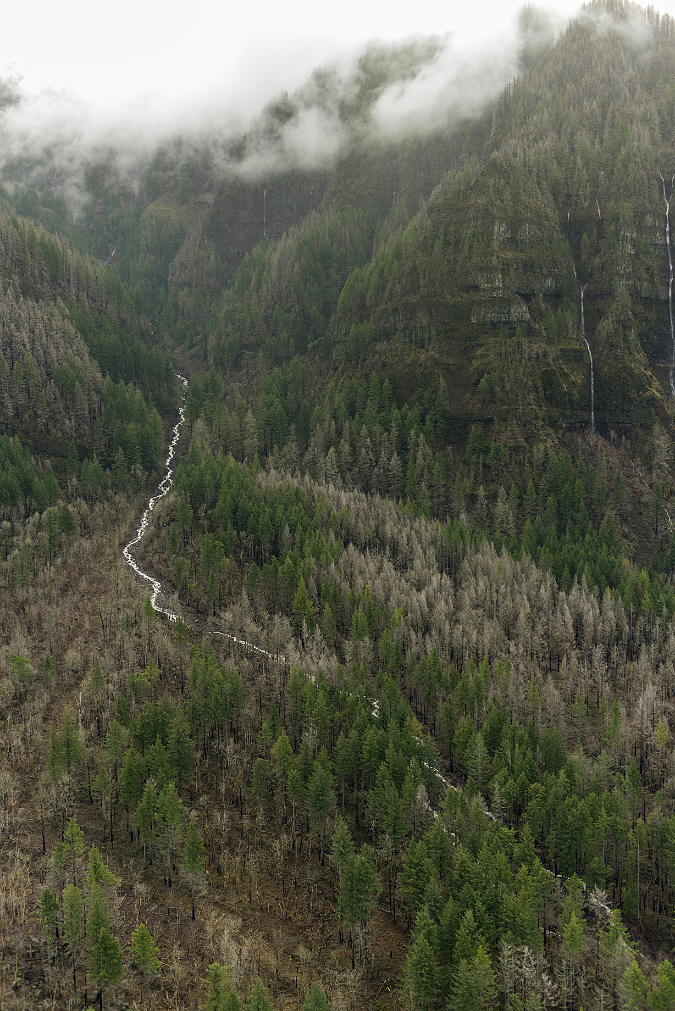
(137, 59)
(121, 77)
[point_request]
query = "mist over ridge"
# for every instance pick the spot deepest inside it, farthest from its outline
(387, 92)
(420, 303)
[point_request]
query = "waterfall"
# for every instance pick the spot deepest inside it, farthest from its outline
(671, 370)
(163, 488)
(582, 288)
(583, 334)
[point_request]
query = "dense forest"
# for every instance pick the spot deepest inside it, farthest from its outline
(397, 731)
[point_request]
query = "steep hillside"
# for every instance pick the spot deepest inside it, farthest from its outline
(557, 192)
(401, 732)
(487, 285)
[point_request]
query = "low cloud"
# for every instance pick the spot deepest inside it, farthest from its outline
(386, 93)
(451, 86)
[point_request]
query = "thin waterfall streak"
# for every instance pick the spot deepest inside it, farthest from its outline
(582, 288)
(667, 199)
(583, 334)
(163, 488)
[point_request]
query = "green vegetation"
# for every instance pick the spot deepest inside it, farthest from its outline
(409, 742)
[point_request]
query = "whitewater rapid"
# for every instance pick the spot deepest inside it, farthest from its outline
(164, 487)
(156, 585)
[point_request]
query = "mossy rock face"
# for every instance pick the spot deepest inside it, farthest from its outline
(505, 278)
(476, 294)
(501, 237)
(502, 308)
(625, 386)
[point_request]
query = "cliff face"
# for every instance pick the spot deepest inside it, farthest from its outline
(482, 294)
(454, 262)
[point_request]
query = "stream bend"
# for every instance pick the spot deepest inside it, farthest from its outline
(163, 488)
(156, 585)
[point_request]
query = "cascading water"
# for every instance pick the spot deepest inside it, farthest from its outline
(667, 199)
(163, 488)
(582, 288)
(583, 334)
(161, 492)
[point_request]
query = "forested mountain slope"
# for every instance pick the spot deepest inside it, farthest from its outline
(68, 324)
(572, 198)
(558, 189)
(409, 743)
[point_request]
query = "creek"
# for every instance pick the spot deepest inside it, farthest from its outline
(163, 488)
